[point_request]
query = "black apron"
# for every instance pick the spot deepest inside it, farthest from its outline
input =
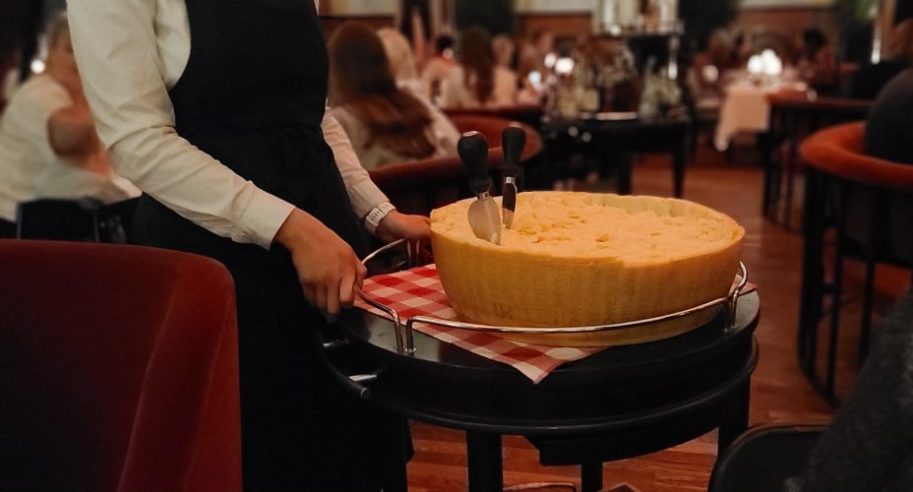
(252, 96)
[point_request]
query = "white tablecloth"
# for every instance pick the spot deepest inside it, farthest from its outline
(745, 109)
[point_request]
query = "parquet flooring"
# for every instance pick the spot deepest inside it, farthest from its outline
(780, 393)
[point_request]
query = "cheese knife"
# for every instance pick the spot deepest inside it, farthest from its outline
(484, 218)
(513, 138)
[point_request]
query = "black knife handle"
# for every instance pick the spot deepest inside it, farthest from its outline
(473, 150)
(513, 138)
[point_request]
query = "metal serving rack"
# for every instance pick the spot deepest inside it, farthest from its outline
(404, 329)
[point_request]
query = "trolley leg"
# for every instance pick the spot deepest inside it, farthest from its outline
(591, 477)
(735, 421)
(484, 461)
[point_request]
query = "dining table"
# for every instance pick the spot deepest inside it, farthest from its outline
(746, 106)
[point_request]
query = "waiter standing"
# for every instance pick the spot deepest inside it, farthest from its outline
(216, 110)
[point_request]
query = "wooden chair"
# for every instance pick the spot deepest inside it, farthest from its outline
(868, 204)
(794, 116)
(120, 369)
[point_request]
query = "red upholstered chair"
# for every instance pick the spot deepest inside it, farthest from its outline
(492, 126)
(118, 369)
(421, 186)
(868, 203)
(536, 172)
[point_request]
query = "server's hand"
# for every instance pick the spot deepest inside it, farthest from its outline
(401, 226)
(327, 267)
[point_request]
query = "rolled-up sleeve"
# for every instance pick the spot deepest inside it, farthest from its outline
(363, 193)
(117, 55)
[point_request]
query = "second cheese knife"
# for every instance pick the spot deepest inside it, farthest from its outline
(513, 138)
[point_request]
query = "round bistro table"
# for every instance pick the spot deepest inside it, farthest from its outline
(618, 403)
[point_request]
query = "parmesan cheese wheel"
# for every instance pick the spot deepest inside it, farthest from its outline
(583, 259)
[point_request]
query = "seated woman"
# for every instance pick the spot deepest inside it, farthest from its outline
(386, 124)
(477, 81)
(48, 144)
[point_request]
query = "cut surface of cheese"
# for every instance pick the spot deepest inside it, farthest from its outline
(582, 259)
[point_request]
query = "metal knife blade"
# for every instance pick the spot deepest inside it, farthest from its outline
(508, 201)
(484, 219)
(513, 138)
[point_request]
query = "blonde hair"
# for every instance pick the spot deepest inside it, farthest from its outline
(402, 62)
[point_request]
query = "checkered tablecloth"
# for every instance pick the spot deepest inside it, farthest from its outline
(419, 292)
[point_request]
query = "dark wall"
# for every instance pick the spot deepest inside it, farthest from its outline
(904, 10)
(497, 16)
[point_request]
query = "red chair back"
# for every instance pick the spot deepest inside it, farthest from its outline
(528, 114)
(491, 127)
(421, 186)
(119, 369)
(838, 151)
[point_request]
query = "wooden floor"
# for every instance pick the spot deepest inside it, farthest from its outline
(779, 391)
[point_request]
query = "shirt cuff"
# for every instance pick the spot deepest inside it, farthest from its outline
(365, 196)
(262, 219)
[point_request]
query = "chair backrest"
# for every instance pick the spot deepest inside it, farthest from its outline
(876, 195)
(794, 115)
(761, 459)
(119, 369)
(74, 220)
(838, 151)
(491, 127)
(62, 220)
(421, 186)
(528, 114)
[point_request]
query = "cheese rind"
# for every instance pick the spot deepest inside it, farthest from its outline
(581, 259)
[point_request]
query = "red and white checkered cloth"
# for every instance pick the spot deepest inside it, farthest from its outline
(419, 292)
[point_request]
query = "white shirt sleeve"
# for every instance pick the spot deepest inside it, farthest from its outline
(115, 47)
(363, 193)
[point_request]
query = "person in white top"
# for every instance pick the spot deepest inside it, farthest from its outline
(48, 144)
(477, 81)
(216, 110)
(386, 124)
